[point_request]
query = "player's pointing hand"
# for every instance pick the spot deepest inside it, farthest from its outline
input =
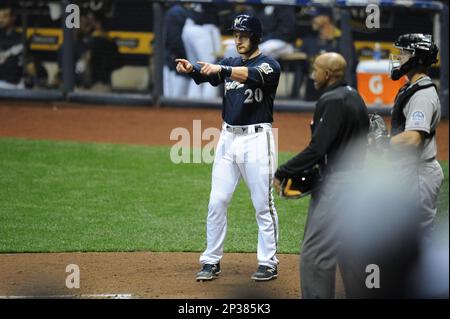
(208, 68)
(184, 66)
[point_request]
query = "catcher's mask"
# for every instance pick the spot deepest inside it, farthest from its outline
(416, 49)
(302, 184)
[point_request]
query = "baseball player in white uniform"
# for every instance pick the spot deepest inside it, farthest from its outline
(246, 146)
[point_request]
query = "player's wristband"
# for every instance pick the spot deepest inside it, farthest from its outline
(225, 71)
(195, 69)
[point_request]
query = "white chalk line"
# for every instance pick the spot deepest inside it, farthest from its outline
(82, 296)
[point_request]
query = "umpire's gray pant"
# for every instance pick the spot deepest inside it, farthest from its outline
(318, 252)
(326, 225)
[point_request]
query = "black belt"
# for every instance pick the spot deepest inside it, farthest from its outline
(430, 160)
(243, 129)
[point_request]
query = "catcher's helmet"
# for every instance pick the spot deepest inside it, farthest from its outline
(422, 50)
(247, 23)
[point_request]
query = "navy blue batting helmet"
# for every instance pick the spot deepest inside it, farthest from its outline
(247, 23)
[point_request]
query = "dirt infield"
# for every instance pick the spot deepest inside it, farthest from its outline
(141, 274)
(139, 125)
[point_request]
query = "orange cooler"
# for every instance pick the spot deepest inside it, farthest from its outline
(374, 83)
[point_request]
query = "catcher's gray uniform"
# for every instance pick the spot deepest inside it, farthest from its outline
(423, 113)
(387, 234)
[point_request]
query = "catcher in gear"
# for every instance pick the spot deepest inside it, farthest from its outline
(415, 117)
(415, 178)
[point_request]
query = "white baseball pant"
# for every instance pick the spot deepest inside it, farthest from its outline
(251, 156)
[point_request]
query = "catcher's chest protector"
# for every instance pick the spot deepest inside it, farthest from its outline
(398, 119)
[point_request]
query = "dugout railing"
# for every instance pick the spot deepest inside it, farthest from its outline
(153, 94)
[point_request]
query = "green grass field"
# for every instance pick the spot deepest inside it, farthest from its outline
(66, 196)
